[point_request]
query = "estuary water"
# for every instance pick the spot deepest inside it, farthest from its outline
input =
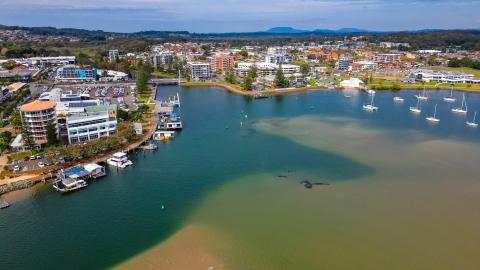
(402, 193)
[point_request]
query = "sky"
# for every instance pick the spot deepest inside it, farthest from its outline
(210, 16)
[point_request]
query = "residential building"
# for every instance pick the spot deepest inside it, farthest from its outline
(278, 59)
(199, 71)
(265, 69)
(76, 73)
(222, 62)
(83, 127)
(4, 94)
(113, 55)
(161, 59)
(343, 63)
(386, 58)
(35, 116)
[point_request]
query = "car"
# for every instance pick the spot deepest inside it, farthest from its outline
(33, 157)
(39, 157)
(16, 168)
(41, 164)
(26, 159)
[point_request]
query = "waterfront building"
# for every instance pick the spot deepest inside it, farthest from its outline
(76, 73)
(113, 55)
(35, 116)
(199, 71)
(265, 69)
(83, 127)
(352, 83)
(222, 62)
(444, 76)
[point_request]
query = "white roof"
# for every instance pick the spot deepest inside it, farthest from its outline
(119, 154)
(92, 167)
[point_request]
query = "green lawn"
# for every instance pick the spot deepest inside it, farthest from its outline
(160, 74)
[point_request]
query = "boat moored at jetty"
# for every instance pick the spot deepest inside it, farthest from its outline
(71, 179)
(170, 122)
(119, 160)
(174, 100)
(163, 135)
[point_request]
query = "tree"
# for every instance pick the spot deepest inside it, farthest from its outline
(243, 53)
(52, 138)
(280, 80)
(26, 137)
(253, 72)
(304, 69)
(229, 77)
(247, 83)
(16, 120)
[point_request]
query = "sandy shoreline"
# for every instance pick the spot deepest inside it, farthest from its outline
(193, 247)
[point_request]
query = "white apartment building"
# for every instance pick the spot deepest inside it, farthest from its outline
(265, 69)
(199, 71)
(161, 58)
(83, 127)
(113, 55)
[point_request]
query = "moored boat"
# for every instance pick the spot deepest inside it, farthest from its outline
(119, 160)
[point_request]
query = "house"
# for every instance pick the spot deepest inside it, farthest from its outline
(138, 128)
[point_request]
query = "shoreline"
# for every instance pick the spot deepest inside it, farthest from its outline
(285, 91)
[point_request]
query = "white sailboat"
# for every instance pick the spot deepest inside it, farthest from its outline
(371, 92)
(463, 107)
(422, 96)
(473, 123)
(370, 107)
(416, 110)
(433, 118)
(450, 98)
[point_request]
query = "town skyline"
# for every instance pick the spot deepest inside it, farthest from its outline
(248, 16)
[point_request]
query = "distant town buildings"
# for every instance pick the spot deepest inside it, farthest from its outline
(444, 76)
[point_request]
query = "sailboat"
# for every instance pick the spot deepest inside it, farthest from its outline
(422, 96)
(463, 108)
(398, 100)
(416, 110)
(370, 107)
(473, 123)
(433, 118)
(450, 98)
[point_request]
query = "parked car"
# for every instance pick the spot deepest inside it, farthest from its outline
(41, 164)
(16, 168)
(26, 159)
(33, 157)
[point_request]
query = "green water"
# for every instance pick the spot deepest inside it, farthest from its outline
(403, 194)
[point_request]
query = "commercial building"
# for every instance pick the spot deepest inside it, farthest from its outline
(199, 71)
(444, 76)
(278, 59)
(76, 73)
(83, 127)
(35, 116)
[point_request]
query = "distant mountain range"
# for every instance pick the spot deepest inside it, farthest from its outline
(291, 30)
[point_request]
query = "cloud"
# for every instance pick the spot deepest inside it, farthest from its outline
(246, 15)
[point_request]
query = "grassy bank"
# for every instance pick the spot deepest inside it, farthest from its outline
(237, 89)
